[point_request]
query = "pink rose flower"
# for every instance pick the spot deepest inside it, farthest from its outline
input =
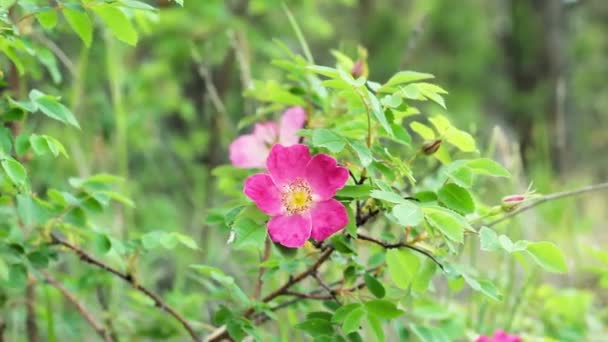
(499, 336)
(298, 193)
(251, 150)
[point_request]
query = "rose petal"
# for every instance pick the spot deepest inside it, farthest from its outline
(483, 339)
(285, 164)
(292, 121)
(290, 230)
(328, 217)
(266, 132)
(325, 176)
(247, 151)
(261, 189)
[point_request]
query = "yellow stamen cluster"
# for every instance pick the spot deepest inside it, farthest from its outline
(297, 197)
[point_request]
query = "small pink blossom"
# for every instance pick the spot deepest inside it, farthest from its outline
(499, 336)
(298, 193)
(514, 199)
(251, 150)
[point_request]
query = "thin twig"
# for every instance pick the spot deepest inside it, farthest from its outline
(307, 295)
(86, 314)
(326, 288)
(129, 279)
(260, 282)
(547, 198)
(401, 245)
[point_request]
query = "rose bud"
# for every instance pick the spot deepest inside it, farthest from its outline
(358, 69)
(511, 202)
(431, 147)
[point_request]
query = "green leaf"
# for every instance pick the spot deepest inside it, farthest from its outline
(17, 276)
(365, 155)
(316, 327)
(351, 226)
(117, 22)
(26, 106)
(548, 256)
(401, 134)
(22, 144)
(328, 139)
(376, 326)
(488, 240)
(81, 24)
(248, 234)
(462, 140)
(52, 108)
(423, 279)
(378, 112)
(432, 92)
(407, 77)
(44, 144)
(186, 240)
(323, 70)
(48, 19)
(343, 311)
(374, 286)
(424, 131)
(353, 320)
(485, 166)
(15, 171)
(408, 214)
(403, 266)
(5, 141)
(383, 308)
(456, 198)
(388, 196)
(449, 223)
(459, 173)
(484, 286)
(355, 191)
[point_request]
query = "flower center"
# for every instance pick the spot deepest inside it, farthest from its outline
(297, 197)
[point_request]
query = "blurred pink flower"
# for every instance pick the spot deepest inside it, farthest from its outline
(298, 193)
(499, 336)
(251, 150)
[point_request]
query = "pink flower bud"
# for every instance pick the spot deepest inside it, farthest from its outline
(514, 199)
(512, 202)
(358, 69)
(431, 147)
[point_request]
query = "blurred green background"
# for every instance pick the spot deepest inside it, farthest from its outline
(526, 77)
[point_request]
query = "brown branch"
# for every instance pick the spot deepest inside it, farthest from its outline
(129, 279)
(388, 245)
(307, 295)
(221, 333)
(547, 198)
(326, 288)
(99, 328)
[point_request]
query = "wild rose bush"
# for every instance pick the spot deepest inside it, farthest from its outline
(360, 219)
(350, 210)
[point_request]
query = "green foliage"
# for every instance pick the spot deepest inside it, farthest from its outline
(160, 111)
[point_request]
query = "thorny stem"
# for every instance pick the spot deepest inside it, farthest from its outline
(128, 278)
(547, 198)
